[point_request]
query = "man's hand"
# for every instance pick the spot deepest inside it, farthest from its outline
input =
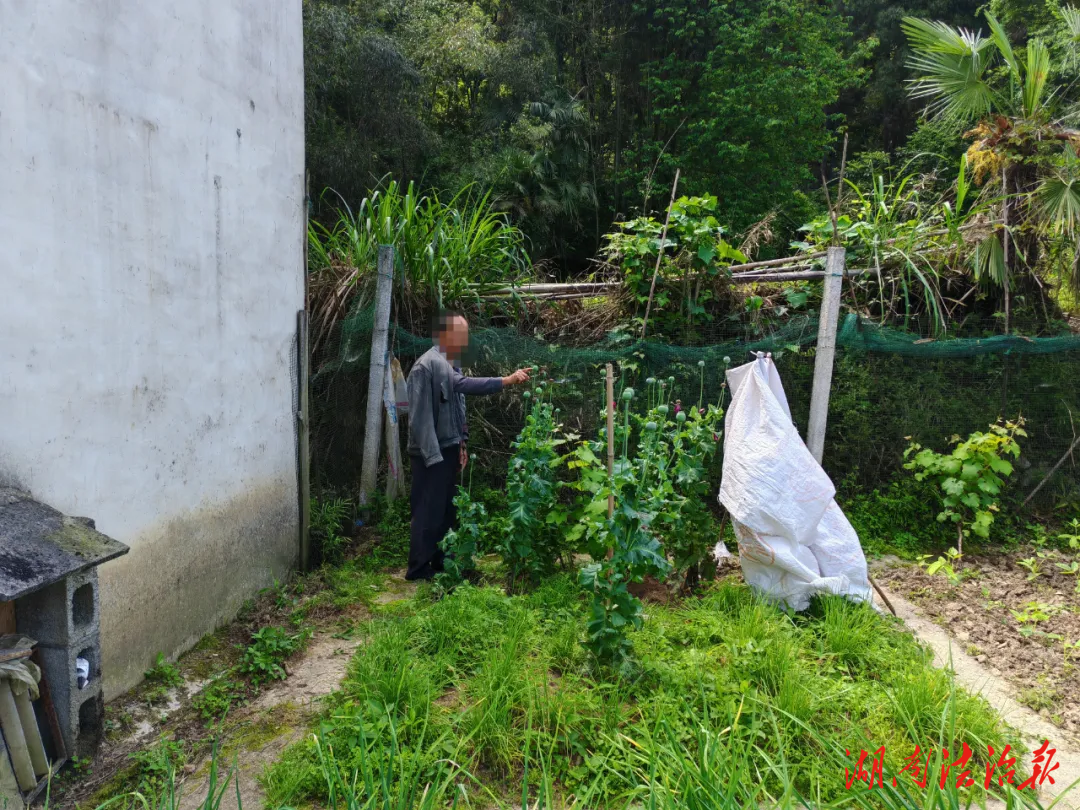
(517, 378)
(464, 456)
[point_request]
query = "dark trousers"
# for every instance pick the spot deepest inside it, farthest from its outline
(433, 511)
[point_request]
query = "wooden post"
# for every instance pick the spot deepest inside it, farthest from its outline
(1005, 243)
(376, 374)
(610, 437)
(49, 710)
(303, 431)
(659, 255)
(395, 479)
(303, 372)
(826, 352)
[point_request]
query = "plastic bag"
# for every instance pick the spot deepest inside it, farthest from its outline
(22, 674)
(793, 539)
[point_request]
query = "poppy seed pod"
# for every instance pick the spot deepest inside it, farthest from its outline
(628, 393)
(651, 381)
(527, 395)
(701, 364)
(650, 426)
(662, 410)
(680, 417)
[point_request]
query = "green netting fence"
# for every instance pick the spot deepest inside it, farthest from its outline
(888, 385)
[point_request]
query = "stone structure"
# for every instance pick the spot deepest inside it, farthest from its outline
(48, 572)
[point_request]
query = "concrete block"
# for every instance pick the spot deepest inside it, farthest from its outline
(62, 614)
(80, 712)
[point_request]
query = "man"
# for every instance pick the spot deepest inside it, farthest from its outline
(437, 437)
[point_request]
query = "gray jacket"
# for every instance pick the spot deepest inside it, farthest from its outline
(437, 404)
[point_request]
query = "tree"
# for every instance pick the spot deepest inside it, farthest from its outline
(878, 112)
(736, 93)
(361, 103)
(1021, 117)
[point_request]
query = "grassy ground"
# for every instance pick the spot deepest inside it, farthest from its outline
(485, 696)
(487, 700)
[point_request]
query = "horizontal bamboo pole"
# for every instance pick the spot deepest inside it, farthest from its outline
(778, 262)
(540, 289)
(798, 276)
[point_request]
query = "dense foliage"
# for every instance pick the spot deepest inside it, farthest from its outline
(576, 114)
(571, 119)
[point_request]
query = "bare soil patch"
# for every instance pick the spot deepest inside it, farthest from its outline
(1019, 624)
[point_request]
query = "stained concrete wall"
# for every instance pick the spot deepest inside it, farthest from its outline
(151, 250)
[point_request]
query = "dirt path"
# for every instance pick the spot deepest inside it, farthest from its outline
(976, 678)
(283, 713)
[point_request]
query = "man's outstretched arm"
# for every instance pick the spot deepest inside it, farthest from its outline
(482, 386)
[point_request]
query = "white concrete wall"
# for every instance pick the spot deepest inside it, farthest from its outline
(151, 250)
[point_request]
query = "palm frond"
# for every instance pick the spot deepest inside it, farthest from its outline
(1059, 200)
(1035, 76)
(1070, 16)
(1001, 42)
(988, 260)
(950, 66)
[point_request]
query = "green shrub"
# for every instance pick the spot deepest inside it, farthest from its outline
(263, 659)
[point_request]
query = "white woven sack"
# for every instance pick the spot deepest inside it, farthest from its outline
(793, 539)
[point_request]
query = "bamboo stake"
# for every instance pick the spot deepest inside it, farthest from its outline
(659, 255)
(881, 593)
(610, 438)
(1005, 243)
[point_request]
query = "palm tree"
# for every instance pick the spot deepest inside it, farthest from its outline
(1021, 118)
(1058, 200)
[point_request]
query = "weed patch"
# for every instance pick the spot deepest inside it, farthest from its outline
(724, 685)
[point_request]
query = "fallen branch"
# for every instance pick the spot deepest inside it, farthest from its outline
(1053, 470)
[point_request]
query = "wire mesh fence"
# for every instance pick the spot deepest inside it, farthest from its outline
(890, 385)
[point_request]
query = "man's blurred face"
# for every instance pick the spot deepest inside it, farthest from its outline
(453, 337)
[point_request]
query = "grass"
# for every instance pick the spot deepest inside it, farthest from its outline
(492, 698)
(479, 699)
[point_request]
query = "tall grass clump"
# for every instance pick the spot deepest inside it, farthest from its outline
(443, 249)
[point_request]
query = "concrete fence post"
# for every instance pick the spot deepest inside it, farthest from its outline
(376, 374)
(826, 351)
